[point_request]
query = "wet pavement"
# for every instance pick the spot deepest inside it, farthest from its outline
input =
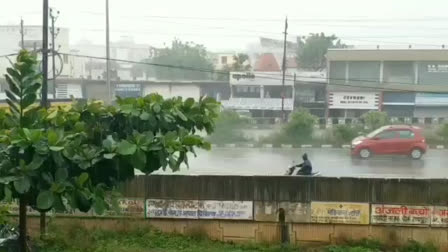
(330, 162)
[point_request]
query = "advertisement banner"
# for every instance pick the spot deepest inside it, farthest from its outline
(181, 209)
(401, 214)
(353, 100)
(439, 216)
(340, 212)
(259, 79)
(232, 210)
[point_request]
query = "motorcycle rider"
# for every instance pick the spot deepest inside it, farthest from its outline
(305, 168)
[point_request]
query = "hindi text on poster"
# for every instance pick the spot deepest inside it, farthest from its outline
(233, 210)
(182, 209)
(439, 216)
(401, 214)
(340, 212)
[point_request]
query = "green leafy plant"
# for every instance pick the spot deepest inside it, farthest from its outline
(228, 128)
(345, 133)
(375, 119)
(72, 157)
(300, 126)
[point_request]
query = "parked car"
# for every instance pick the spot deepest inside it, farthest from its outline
(391, 140)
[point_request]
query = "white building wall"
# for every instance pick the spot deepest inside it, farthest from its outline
(186, 91)
(161, 89)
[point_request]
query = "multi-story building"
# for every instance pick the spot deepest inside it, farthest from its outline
(11, 42)
(260, 93)
(404, 83)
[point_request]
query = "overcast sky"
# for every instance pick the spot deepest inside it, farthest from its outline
(233, 24)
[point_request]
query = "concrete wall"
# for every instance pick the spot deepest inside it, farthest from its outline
(311, 207)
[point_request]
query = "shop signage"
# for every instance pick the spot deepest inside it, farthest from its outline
(353, 100)
(128, 90)
(235, 210)
(259, 79)
(340, 212)
(401, 214)
(437, 68)
(128, 207)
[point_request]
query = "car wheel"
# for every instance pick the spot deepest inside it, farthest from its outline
(416, 153)
(365, 153)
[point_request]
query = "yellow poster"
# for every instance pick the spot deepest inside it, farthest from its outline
(340, 212)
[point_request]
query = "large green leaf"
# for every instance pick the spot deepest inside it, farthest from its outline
(53, 137)
(22, 185)
(109, 144)
(61, 174)
(82, 178)
(28, 100)
(13, 85)
(36, 163)
(99, 205)
(139, 159)
(11, 96)
(126, 148)
(45, 200)
(33, 88)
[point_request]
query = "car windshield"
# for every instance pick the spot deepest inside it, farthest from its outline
(375, 132)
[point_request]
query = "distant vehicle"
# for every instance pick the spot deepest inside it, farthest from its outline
(391, 140)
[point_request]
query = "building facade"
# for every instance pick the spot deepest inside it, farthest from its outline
(403, 83)
(260, 93)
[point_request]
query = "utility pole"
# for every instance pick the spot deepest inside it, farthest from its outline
(44, 100)
(284, 70)
(22, 34)
(109, 89)
(54, 34)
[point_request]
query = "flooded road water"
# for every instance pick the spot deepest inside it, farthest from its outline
(330, 162)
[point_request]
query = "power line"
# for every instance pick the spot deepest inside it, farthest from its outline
(266, 76)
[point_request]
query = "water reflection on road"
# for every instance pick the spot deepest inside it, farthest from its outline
(330, 162)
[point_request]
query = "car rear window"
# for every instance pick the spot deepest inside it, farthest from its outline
(406, 134)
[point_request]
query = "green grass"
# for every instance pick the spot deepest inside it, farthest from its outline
(77, 239)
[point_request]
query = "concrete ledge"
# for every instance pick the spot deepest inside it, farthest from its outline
(306, 146)
(439, 147)
(286, 146)
(267, 146)
(327, 146)
(346, 146)
(230, 145)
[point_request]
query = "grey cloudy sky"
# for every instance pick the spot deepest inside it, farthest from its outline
(233, 24)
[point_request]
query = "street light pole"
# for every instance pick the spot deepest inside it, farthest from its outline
(109, 89)
(44, 100)
(284, 71)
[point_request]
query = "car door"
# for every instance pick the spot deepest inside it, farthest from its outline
(384, 142)
(405, 141)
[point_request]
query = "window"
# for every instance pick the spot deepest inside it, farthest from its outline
(65, 59)
(406, 134)
(387, 135)
(224, 60)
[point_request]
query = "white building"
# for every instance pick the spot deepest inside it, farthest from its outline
(10, 42)
(260, 93)
(124, 49)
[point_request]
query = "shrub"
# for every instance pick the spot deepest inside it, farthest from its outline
(375, 119)
(345, 133)
(228, 128)
(300, 126)
(443, 132)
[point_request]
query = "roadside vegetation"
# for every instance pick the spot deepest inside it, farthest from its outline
(77, 239)
(302, 128)
(228, 128)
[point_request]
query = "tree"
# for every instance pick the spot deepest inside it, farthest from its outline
(312, 51)
(240, 64)
(189, 56)
(375, 119)
(300, 126)
(71, 157)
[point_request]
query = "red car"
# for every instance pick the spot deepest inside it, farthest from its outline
(391, 140)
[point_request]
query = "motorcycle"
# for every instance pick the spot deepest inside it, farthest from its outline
(291, 171)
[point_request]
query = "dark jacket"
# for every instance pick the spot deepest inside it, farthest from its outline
(306, 168)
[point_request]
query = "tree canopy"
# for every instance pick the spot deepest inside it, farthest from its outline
(71, 157)
(311, 51)
(183, 55)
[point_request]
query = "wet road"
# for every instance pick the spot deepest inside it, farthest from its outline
(330, 162)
